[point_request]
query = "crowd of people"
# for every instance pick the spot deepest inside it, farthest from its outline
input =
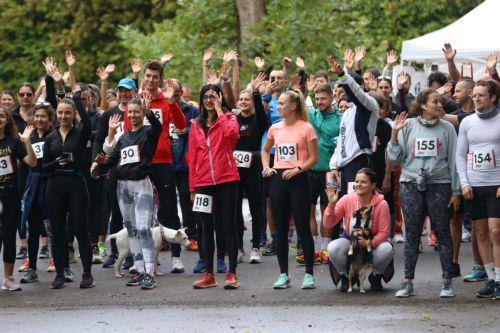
(81, 160)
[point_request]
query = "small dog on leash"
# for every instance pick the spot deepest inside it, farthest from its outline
(159, 233)
(359, 258)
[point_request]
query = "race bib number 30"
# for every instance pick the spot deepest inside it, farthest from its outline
(243, 158)
(203, 203)
(129, 155)
(287, 152)
(483, 160)
(38, 149)
(6, 165)
(425, 147)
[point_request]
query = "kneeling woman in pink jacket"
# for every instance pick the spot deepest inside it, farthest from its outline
(366, 196)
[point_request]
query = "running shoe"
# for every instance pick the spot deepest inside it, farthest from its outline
(447, 290)
(87, 281)
(299, 259)
(477, 274)
(405, 290)
(96, 257)
(193, 245)
(241, 256)
(24, 266)
(71, 256)
(231, 281)
(466, 235)
(44, 252)
(270, 249)
(375, 282)
(51, 268)
(58, 282)
(200, 267)
(254, 256)
(344, 283)
(308, 282)
(128, 262)
(102, 249)
(221, 266)
(496, 293)
(207, 280)
(10, 285)
(135, 280)
(23, 253)
(488, 290)
(432, 240)
(110, 262)
(30, 276)
(177, 266)
(148, 282)
(324, 256)
(318, 260)
(68, 275)
(283, 282)
(263, 239)
(399, 238)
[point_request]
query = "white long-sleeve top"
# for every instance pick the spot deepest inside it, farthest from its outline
(478, 151)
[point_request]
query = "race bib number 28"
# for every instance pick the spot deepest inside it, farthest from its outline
(287, 152)
(6, 165)
(425, 147)
(483, 160)
(129, 155)
(203, 203)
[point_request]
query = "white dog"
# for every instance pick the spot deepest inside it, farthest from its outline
(169, 235)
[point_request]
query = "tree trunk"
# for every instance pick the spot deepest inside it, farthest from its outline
(250, 12)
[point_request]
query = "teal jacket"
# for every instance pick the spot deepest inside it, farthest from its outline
(327, 126)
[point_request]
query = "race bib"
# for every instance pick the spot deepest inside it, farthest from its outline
(243, 158)
(171, 132)
(6, 165)
(351, 189)
(483, 160)
(158, 114)
(129, 155)
(425, 147)
(38, 149)
(203, 203)
(287, 152)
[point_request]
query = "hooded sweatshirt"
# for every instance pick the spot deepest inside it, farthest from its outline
(349, 204)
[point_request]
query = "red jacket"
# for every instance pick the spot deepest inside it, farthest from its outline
(170, 113)
(210, 159)
(349, 204)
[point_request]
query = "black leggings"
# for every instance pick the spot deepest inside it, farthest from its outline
(223, 218)
(9, 220)
(251, 184)
(69, 194)
(292, 196)
(35, 225)
(162, 176)
(96, 208)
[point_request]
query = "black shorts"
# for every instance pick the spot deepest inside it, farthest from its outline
(318, 186)
(267, 180)
(484, 204)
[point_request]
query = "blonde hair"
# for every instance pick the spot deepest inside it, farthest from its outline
(297, 97)
(250, 93)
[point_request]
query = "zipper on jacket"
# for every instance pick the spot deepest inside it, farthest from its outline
(210, 159)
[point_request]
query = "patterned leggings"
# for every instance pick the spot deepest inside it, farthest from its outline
(416, 205)
(136, 201)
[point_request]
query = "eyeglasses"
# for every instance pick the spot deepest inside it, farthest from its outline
(25, 94)
(209, 97)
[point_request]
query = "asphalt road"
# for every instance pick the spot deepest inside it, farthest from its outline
(255, 307)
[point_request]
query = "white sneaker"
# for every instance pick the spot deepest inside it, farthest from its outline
(11, 285)
(177, 266)
(254, 256)
(241, 256)
(447, 290)
(398, 238)
(466, 236)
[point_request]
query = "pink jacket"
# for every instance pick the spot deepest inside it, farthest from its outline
(349, 204)
(210, 157)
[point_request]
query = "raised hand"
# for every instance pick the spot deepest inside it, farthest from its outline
(110, 68)
(218, 103)
(401, 80)
(212, 77)
(114, 122)
(295, 82)
(136, 65)
(259, 62)
(310, 83)
(449, 52)
(70, 58)
(349, 59)
(101, 158)
(271, 88)
(55, 74)
(168, 90)
(225, 68)
(400, 121)
(207, 54)
(300, 63)
(445, 89)
(230, 55)
(258, 81)
(146, 102)
(102, 74)
(335, 67)
(286, 62)
(360, 54)
(372, 82)
(25, 137)
(166, 58)
(392, 58)
(333, 196)
(49, 64)
(491, 63)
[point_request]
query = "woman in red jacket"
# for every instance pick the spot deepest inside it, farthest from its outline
(366, 195)
(213, 180)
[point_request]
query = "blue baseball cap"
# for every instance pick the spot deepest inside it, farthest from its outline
(126, 83)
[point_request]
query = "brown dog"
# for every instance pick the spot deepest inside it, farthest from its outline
(359, 257)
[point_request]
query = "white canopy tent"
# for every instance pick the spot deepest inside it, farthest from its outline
(474, 36)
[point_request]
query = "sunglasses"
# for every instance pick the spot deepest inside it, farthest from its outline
(25, 94)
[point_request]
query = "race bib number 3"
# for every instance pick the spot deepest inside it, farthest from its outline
(483, 160)
(425, 147)
(6, 165)
(203, 203)
(243, 158)
(287, 152)
(129, 155)
(38, 149)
